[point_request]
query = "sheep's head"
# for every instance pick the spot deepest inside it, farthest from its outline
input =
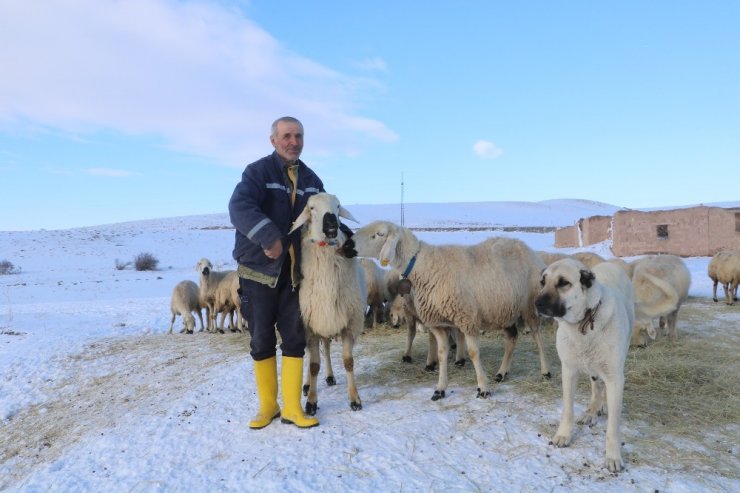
(379, 240)
(321, 217)
(204, 267)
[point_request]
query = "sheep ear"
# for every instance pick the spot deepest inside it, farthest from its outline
(301, 220)
(346, 214)
(388, 250)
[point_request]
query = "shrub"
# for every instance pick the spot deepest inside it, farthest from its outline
(120, 265)
(7, 267)
(145, 261)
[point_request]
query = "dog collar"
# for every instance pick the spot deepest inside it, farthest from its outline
(588, 318)
(409, 266)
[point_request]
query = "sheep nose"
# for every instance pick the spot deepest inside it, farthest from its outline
(331, 225)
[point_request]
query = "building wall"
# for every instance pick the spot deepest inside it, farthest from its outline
(596, 229)
(695, 231)
(566, 237)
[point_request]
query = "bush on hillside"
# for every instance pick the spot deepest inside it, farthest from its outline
(145, 261)
(7, 267)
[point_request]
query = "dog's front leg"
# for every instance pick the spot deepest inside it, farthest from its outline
(614, 392)
(565, 430)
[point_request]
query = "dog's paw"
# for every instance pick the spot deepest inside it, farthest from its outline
(588, 419)
(560, 441)
(615, 464)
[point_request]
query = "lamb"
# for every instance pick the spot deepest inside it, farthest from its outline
(489, 285)
(661, 284)
(185, 301)
(377, 292)
(724, 268)
(402, 310)
(227, 301)
(333, 293)
(209, 282)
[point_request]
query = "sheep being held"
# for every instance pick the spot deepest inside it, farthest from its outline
(489, 285)
(333, 293)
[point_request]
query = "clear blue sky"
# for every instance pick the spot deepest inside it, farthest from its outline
(113, 111)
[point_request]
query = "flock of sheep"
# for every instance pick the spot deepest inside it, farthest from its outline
(457, 291)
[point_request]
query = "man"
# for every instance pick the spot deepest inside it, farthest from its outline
(271, 194)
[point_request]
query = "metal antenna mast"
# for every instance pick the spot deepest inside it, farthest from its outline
(402, 209)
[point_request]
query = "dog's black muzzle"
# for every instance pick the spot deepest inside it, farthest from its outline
(331, 225)
(549, 306)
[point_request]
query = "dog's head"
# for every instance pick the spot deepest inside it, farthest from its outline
(565, 290)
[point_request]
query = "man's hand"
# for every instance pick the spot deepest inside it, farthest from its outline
(347, 249)
(275, 250)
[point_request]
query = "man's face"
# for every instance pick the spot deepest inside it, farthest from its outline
(288, 142)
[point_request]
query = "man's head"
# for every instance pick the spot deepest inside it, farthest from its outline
(287, 138)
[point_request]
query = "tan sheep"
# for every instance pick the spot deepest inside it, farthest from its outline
(589, 259)
(376, 292)
(489, 285)
(209, 281)
(724, 268)
(550, 257)
(661, 284)
(228, 303)
(185, 301)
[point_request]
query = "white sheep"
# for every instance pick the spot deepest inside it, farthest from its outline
(724, 268)
(185, 301)
(377, 292)
(209, 282)
(489, 285)
(402, 311)
(550, 257)
(333, 293)
(661, 284)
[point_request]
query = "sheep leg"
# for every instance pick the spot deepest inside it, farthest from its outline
(441, 335)
(432, 356)
(714, 289)
(728, 292)
(460, 348)
(671, 323)
(473, 343)
(172, 322)
(330, 380)
(509, 344)
(411, 326)
(544, 365)
(348, 344)
(313, 369)
(200, 317)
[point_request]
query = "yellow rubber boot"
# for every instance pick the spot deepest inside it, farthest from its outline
(265, 373)
(292, 382)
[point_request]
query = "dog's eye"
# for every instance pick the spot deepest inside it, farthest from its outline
(562, 283)
(542, 282)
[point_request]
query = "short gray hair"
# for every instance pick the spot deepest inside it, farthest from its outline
(286, 119)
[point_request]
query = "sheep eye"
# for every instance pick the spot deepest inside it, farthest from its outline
(562, 283)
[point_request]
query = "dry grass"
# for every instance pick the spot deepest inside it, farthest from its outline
(681, 400)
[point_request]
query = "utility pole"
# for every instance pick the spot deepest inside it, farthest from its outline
(402, 210)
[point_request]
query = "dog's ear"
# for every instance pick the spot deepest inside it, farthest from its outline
(587, 278)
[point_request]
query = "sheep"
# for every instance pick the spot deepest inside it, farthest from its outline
(589, 259)
(724, 268)
(550, 257)
(492, 284)
(332, 293)
(185, 301)
(376, 292)
(330, 380)
(227, 302)
(661, 284)
(209, 282)
(402, 311)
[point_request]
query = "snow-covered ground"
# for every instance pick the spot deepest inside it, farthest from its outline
(96, 396)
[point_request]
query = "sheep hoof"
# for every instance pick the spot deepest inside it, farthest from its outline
(406, 359)
(331, 381)
(430, 367)
(460, 363)
(355, 406)
(438, 394)
(305, 390)
(483, 395)
(547, 375)
(500, 377)
(715, 300)
(311, 408)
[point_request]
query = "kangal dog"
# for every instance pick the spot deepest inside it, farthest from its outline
(595, 312)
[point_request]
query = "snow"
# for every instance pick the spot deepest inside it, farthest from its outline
(96, 396)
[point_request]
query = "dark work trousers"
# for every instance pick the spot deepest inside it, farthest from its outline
(265, 308)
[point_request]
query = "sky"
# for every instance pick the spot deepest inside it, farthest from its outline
(113, 111)
(96, 396)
